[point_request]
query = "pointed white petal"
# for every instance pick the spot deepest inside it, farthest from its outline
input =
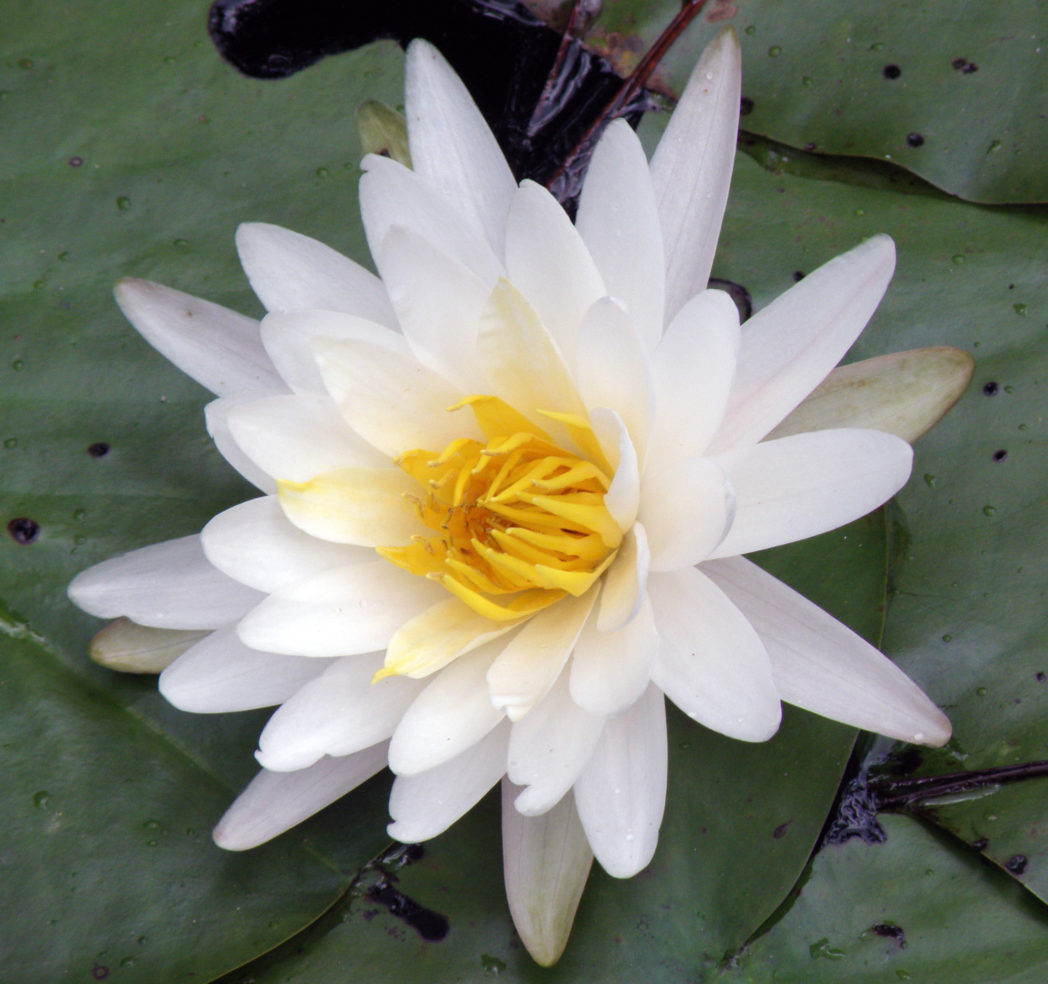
(546, 861)
(452, 147)
(337, 713)
(276, 801)
(618, 220)
(289, 272)
(216, 417)
(391, 195)
(821, 665)
(625, 581)
(710, 661)
(687, 509)
(533, 659)
(219, 348)
(549, 747)
(622, 499)
(790, 346)
(128, 647)
(621, 794)
(693, 369)
(451, 714)
(691, 168)
(614, 369)
(799, 486)
(351, 609)
(256, 544)
(548, 262)
(610, 670)
(168, 586)
(221, 674)
(294, 438)
(425, 805)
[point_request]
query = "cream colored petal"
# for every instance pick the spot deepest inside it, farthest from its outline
(625, 581)
(127, 647)
(622, 500)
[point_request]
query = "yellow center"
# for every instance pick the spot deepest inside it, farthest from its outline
(517, 522)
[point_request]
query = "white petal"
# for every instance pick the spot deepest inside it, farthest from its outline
(622, 499)
(128, 647)
(687, 509)
(548, 262)
(451, 714)
(391, 399)
(625, 581)
(533, 659)
(275, 801)
(614, 369)
(549, 747)
(219, 348)
(821, 665)
(216, 417)
(289, 271)
(546, 861)
(452, 147)
(710, 661)
(621, 794)
(691, 168)
(168, 585)
(425, 805)
(798, 486)
(221, 674)
(790, 346)
(693, 369)
(337, 713)
(391, 195)
(254, 543)
(610, 670)
(294, 438)
(438, 301)
(352, 609)
(618, 220)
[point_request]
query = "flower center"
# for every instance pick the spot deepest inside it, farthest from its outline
(517, 522)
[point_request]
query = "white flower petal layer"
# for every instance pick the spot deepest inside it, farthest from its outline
(710, 661)
(691, 168)
(425, 805)
(799, 486)
(621, 794)
(276, 801)
(821, 665)
(352, 609)
(290, 272)
(337, 713)
(625, 581)
(221, 674)
(216, 417)
(546, 861)
(219, 348)
(168, 586)
(791, 345)
(128, 647)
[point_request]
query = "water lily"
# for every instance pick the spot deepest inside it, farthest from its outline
(506, 489)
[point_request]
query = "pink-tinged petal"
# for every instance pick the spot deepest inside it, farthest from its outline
(790, 346)
(289, 272)
(425, 805)
(167, 586)
(219, 348)
(451, 714)
(619, 223)
(548, 262)
(621, 794)
(821, 665)
(276, 801)
(710, 661)
(693, 369)
(546, 861)
(452, 148)
(337, 713)
(625, 581)
(221, 674)
(216, 417)
(610, 670)
(352, 609)
(691, 168)
(799, 486)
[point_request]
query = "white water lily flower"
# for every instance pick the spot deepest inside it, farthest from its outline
(506, 491)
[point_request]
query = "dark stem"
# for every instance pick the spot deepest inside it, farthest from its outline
(577, 20)
(902, 795)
